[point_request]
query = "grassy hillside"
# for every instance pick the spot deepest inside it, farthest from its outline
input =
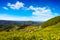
(49, 32)
(51, 21)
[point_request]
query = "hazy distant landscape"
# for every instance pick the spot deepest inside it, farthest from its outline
(6, 25)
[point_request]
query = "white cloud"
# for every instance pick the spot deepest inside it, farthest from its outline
(5, 8)
(42, 12)
(17, 5)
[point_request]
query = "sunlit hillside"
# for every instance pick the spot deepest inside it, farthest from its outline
(34, 32)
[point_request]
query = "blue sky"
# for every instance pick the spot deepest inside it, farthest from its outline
(29, 10)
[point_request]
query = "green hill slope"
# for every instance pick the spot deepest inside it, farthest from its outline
(50, 31)
(51, 21)
(53, 27)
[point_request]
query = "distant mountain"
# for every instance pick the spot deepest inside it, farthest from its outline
(19, 22)
(6, 24)
(51, 22)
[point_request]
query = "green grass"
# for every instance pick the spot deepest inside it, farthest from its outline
(48, 33)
